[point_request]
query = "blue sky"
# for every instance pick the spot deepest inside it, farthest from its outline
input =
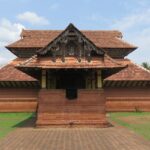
(132, 17)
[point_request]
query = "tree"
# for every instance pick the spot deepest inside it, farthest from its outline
(146, 65)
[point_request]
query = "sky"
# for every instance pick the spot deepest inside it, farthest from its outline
(131, 17)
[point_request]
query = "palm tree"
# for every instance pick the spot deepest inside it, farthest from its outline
(146, 65)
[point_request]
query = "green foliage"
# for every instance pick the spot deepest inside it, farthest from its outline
(146, 65)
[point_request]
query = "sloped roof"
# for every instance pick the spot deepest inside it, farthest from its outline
(133, 72)
(70, 62)
(10, 73)
(40, 38)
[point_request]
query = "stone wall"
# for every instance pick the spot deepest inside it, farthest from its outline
(18, 100)
(127, 99)
(55, 109)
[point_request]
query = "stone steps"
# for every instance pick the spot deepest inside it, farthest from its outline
(100, 123)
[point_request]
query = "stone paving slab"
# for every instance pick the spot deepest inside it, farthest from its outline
(113, 138)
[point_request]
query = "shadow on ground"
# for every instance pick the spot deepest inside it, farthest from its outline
(29, 122)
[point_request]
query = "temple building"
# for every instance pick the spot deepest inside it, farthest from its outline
(73, 77)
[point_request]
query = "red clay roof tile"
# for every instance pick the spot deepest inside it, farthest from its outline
(133, 72)
(10, 73)
(70, 62)
(40, 38)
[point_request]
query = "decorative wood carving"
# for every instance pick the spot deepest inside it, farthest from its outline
(71, 42)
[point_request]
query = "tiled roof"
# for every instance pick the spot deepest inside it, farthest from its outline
(133, 72)
(71, 62)
(40, 38)
(10, 73)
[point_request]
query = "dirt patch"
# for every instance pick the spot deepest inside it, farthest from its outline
(136, 119)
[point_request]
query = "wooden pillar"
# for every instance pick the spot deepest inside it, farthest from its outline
(43, 79)
(99, 79)
(93, 79)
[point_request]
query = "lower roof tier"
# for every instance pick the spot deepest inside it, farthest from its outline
(10, 73)
(132, 72)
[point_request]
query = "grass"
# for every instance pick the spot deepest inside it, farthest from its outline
(11, 121)
(139, 124)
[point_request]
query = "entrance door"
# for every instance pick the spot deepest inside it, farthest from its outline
(70, 79)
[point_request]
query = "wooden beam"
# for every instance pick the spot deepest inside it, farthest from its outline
(134, 84)
(24, 84)
(144, 83)
(8, 84)
(18, 84)
(129, 83)
(13, 84)
(32, 84)
(140, 83)
(123, 83)
(28, 84)
(113, 83)
(109, 83)
(2, 84)
(105, 83)
(118, 84)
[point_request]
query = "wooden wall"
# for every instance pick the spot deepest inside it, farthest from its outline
(18, 100)
(127, 99)
(87, 109)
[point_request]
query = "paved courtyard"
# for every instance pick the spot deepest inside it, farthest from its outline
(113, 138)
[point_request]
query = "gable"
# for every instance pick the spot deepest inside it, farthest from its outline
(71, 42)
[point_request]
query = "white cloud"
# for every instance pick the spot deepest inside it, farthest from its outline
(142, 40)
(33, 18)
(3, 61)
(9, 32)
(136, 28)
(137, 19)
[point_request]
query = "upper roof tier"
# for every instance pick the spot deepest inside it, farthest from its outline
(32, 40)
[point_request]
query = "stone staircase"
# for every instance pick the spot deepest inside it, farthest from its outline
(55, 110)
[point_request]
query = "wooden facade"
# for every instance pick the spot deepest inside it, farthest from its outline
(73, 77)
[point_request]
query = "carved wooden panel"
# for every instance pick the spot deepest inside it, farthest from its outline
(71, 42)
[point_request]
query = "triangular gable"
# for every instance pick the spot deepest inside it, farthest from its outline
(71, 42)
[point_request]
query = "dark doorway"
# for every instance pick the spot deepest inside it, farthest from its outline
(70, 79)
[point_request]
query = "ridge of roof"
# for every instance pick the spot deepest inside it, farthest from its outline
(112, 33)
